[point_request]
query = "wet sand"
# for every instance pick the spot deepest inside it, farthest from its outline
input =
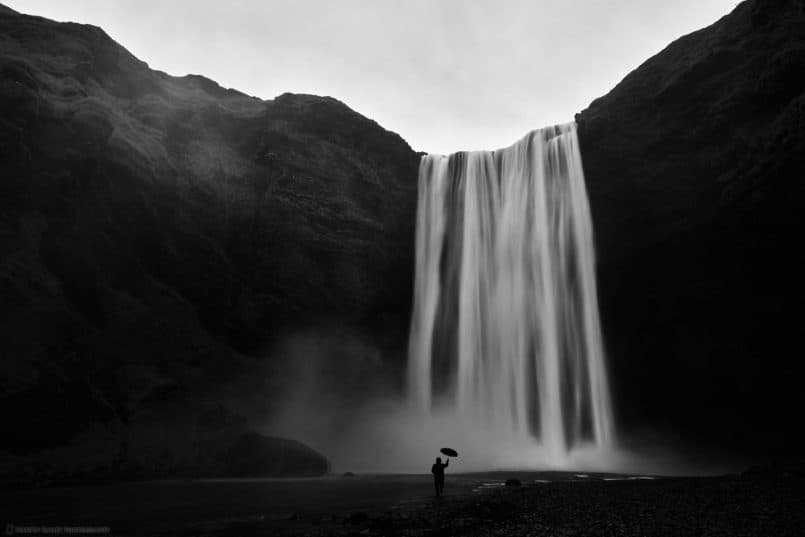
(549, 503)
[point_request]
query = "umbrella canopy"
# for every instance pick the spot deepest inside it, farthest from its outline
(449, 452)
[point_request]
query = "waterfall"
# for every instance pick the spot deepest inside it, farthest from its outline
(505, 330)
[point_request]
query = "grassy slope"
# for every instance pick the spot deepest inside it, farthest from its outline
(158, 232)
(694, 164)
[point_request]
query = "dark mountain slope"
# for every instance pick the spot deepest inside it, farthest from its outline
(695, 168)
(165, 229)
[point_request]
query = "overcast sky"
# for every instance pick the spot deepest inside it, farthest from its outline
(446, 75)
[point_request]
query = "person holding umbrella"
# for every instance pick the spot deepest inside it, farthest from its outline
(438, 470)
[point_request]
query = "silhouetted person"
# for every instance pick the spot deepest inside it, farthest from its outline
(438, 475)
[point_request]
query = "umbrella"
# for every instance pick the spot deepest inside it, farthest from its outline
(449, 452)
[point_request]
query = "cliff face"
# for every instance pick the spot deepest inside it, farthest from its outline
(694, 166)
(156, 232)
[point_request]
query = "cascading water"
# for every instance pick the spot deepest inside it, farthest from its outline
(505, 332)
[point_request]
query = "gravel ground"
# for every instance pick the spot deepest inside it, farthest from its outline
(740, 505)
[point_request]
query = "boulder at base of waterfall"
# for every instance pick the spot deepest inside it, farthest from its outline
(255, 455)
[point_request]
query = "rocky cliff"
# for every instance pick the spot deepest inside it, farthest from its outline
(159, 233)
(694, 164)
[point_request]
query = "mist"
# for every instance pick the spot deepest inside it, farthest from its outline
(341, 395)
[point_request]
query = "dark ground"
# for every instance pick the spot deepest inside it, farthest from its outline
(760, 503)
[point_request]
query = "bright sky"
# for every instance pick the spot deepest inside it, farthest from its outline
(447, 75)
